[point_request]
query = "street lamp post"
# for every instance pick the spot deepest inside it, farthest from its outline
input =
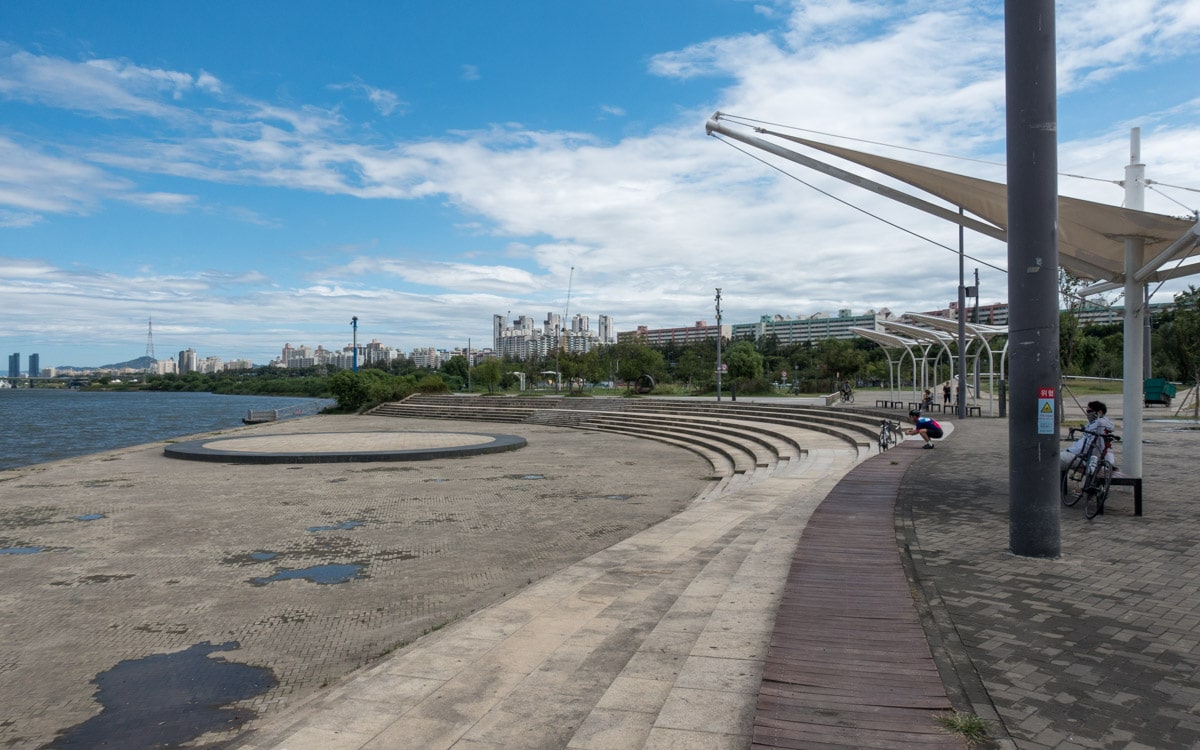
(354, 342)
(718, 343)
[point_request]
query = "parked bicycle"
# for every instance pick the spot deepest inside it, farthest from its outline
(1089, 475)
(889, 434)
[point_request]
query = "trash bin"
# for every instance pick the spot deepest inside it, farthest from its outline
(1158, 391)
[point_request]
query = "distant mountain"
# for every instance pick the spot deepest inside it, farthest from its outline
(141, 363)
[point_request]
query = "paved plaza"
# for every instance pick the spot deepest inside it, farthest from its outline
(539, 598)
(121, 555)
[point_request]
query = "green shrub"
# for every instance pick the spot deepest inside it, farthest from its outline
(432, 384)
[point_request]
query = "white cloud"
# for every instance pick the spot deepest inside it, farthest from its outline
(163, 202)
(386, 102)
(109, 88)
(34, 181)
(651, 223)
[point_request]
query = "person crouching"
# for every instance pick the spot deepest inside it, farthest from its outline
(927, 428)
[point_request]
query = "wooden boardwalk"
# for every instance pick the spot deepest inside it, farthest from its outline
(849, 666)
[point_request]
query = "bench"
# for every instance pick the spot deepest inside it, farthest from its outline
(1120, 480)
(974, 411)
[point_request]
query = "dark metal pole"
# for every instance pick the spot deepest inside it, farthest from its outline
(1033, 476)
(718, 343)
(962, 327)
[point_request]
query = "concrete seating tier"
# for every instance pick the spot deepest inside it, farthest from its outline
(858, 429)
(740, 448)
(742, 443)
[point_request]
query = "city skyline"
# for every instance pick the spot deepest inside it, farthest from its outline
(437, 163)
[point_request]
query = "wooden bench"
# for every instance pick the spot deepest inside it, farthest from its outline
(974, 411)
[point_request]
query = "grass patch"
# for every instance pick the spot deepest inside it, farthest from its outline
(968, 726)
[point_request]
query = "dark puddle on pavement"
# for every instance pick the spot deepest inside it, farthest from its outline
(323, 574)
(337, 527)
(90, 517)
(526, 476)
(166, 700)
(20, 550)
(263, 555)
(617, 497)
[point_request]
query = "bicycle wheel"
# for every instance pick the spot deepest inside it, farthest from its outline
(1072, 481)
(1097, 494)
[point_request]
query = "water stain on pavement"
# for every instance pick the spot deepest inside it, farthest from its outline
(166, 700)
(322, 574)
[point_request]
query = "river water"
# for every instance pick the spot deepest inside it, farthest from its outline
(38, 425)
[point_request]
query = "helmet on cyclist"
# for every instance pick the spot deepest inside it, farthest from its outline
(914, 413)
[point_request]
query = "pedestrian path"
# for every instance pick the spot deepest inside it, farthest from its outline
(849, 665)
(657, 641)
(661, 641)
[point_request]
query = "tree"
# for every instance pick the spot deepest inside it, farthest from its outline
(839, 359)
(636, 359)
(692, 367)
(351, 389)
(456, 366)
(489, 373)
(745, 366)
(1184, 338)
(744, 362)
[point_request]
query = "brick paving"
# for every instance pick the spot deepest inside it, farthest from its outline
(1097, 649)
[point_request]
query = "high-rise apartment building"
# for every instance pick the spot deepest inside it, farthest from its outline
(607, 330)
(524, 342)
(35, 366)
(188, 362)
(14, 365)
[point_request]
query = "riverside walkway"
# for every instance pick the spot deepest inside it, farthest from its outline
(660, 636)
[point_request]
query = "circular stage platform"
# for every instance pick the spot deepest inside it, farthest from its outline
(340, 447)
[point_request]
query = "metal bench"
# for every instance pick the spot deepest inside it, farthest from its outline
(1121, 480)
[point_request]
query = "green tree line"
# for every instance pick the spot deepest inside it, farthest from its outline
(752, 366)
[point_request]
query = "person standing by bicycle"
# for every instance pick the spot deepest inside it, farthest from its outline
(926, 427)
(1098, 425)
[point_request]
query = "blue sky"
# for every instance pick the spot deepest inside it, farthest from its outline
(254, 174)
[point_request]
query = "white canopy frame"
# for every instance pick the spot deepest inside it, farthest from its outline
(934, 338)
(977, 333)
(888, 342)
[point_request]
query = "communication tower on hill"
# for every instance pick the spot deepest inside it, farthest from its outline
(150, 345)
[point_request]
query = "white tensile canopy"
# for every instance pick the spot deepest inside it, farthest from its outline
(1091, 236)
(1112, 246)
